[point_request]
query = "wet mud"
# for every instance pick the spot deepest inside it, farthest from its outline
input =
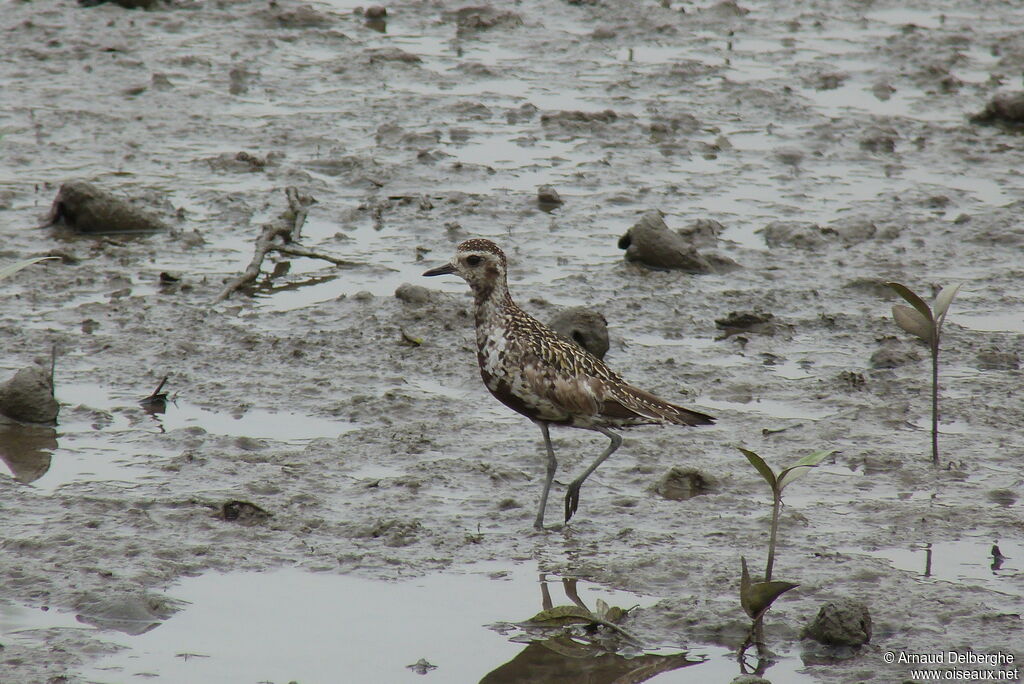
(330, 423)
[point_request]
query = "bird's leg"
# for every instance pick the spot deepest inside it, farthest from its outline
(569, 587)
(549, 477)
(572, 496)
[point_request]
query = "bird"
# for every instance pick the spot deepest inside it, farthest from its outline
(534, 371)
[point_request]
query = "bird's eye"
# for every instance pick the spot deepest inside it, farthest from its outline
(473, 260)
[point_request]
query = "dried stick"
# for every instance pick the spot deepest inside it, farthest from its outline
(281, 237)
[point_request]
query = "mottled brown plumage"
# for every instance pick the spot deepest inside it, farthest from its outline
(532, 370)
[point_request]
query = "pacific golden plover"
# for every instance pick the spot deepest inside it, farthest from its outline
(548, 379)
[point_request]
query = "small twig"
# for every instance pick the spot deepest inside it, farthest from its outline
(297, 205)
(298, 250)
(611, 625)
(157, 396)
(281, 237)
(53, 367)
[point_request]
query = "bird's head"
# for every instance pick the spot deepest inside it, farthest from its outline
(479, 262)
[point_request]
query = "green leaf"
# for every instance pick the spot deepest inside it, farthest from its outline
(744, 582)
(562, 615)
(800, 467)
(757, 597)
(912, 299)
(766, 471)
(913, 322)
(11, 269)
(944, 299)
(761, 596)
(615, 614)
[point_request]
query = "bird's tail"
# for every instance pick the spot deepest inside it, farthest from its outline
(646, 404)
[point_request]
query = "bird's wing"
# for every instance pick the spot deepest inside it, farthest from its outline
(571, 378)
(582, 384)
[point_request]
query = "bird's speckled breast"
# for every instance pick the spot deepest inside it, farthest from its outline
(502, 367)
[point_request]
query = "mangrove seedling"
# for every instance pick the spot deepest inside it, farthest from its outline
(926, 323)
(757, 597)
(778, 483)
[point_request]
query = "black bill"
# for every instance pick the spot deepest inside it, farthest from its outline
(440, 270)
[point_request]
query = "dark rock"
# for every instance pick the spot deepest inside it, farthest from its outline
(726, 9)
(85, 208)
(238, 80)
(548, 198)
(790, 156)
(1002, 497)
(394, 532)
(160, 81)
(650, 242)
(994, 359)
(872, 286)
(852, 230)
(391, 54)
(829, 80)
(586, 327)
(482, 18)
(472, 110)
(852, 380)
(1005, 108)
(303, 16)
(524, 112)
(375, 12)
(893, 355)
(757, 322)
(28, 396)
(576, 117)
(799, 234)
(412, 294)
(680, 484)
(883, 90)
(243, 512)
(240, 162)
(843, 622)
(880, 140)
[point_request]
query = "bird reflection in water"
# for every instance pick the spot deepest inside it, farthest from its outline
(569, 647)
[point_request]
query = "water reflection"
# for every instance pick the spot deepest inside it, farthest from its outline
(580, 645)
(562, 659)
(758, 662)
(301, 628)
(27, 450)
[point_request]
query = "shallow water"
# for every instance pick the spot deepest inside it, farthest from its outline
(100, 435)
(294, 625)
(967, 561)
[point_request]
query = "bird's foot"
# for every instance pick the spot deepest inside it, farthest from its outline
(572, 499)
